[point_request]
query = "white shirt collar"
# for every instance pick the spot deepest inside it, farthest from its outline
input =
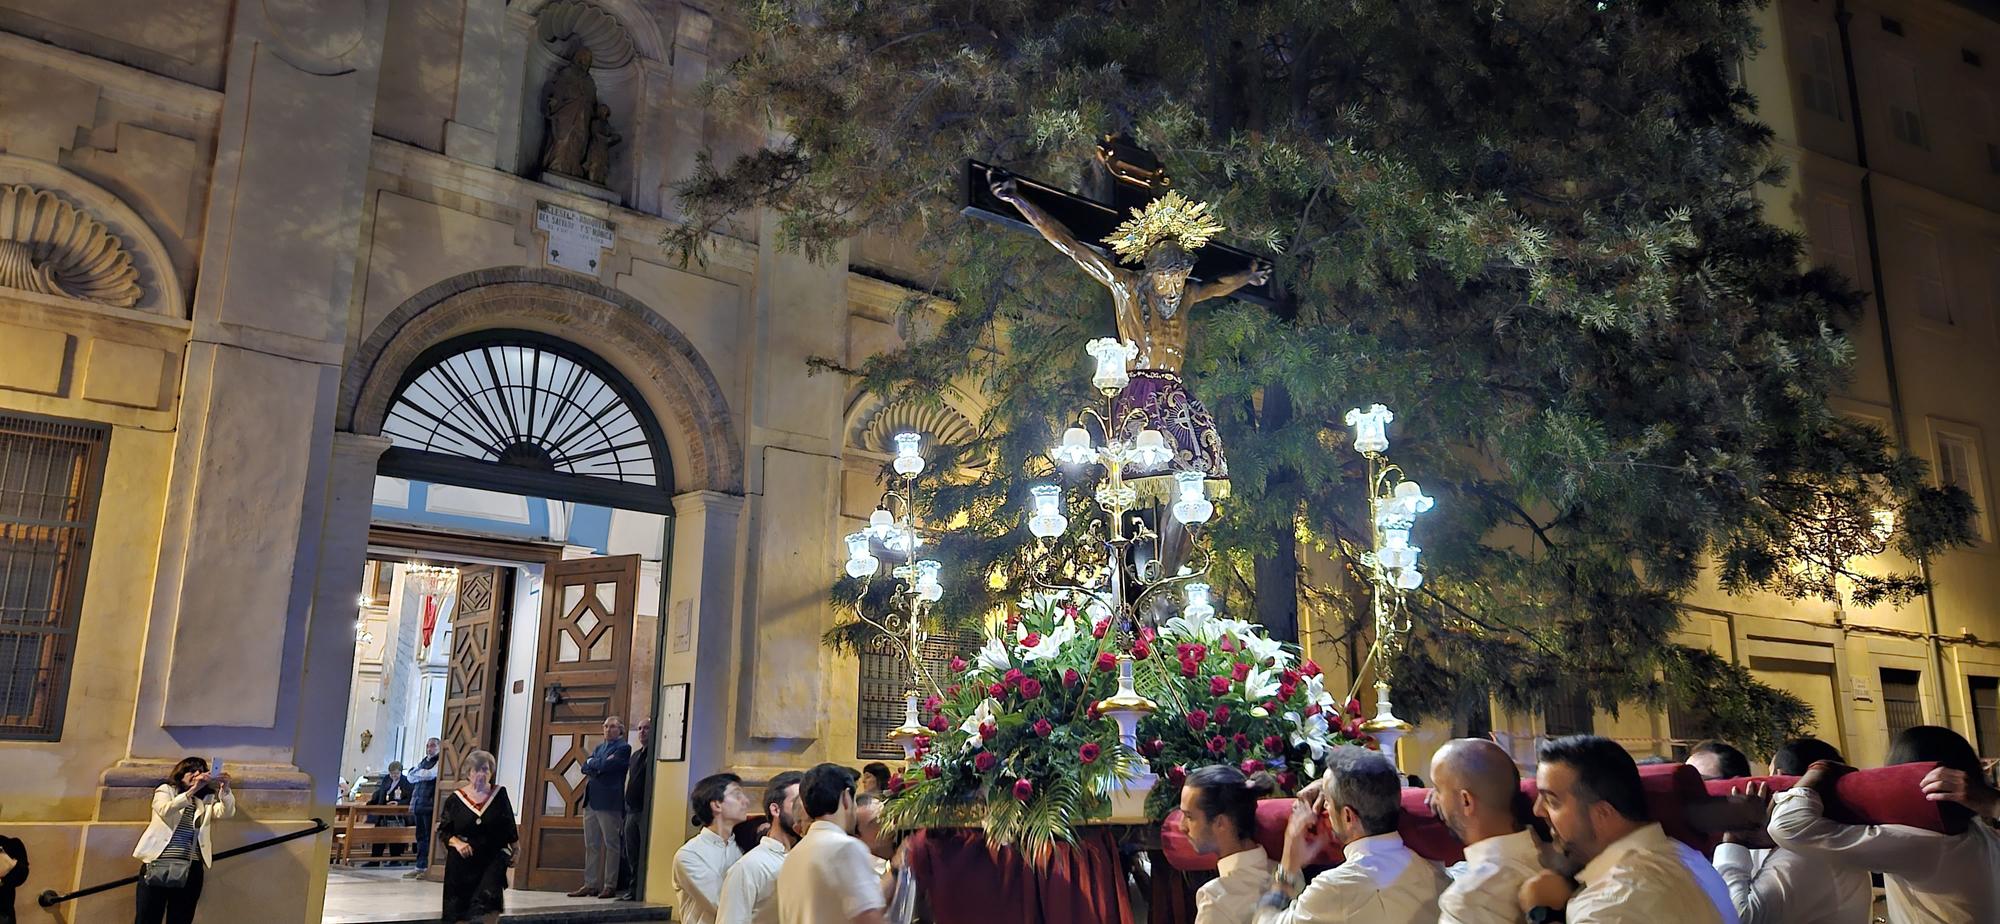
(1374, 844)
(1649, 837)
(1494, 849)
(827, 827)
(773, 844)
(708, 834)
(1253, 861)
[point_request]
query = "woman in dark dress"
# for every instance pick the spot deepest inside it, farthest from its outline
(477, 826)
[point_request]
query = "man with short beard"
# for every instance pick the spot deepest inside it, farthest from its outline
(1474, 789)
(749, 886)
(1631, 871)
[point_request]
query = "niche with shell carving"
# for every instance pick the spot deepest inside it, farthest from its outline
(51, 247)
(874, 430)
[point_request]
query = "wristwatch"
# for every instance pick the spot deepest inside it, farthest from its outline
(1543, 914)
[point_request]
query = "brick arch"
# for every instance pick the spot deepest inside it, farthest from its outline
(680, 390)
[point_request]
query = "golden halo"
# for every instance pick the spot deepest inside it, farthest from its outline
(1170, 217)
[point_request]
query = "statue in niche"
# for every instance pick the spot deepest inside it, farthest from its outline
(597, 159)
(572, 110)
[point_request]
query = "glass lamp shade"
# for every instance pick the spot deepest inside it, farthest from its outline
(1197, 607)
(1193, 507)
(909, 461)
(1399, 558)
(881, 524)
(1075, 448)
(1409, 579)
(1371, 428)
(860, 561)
(1048, 521)
(1112, 355)
(1150, 450)
(928, 588)
(1410, 499)
(1394, 536)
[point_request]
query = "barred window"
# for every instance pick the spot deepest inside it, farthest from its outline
(50, 474)
(886, 675)
(1569, 713)
(1901, 701)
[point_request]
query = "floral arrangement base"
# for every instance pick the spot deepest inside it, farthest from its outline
(1128, 801)
(967, 881)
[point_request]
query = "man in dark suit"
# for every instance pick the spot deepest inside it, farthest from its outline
(635, 814)
(604, 811)
(423, 805)
(394, 790)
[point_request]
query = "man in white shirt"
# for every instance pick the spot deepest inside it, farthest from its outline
(1219, 817)
(1475, 791)
(827, 878)
(1928, 876)
(1769, 885)
(719, 805)
(1381, 880)
(1631, 871)
(748, 889)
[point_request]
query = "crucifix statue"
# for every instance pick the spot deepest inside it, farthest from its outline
(1157, 264)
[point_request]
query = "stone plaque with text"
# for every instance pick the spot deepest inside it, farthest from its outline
(575, 241)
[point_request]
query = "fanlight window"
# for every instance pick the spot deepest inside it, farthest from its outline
(526, 403)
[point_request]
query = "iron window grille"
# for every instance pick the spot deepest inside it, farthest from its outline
(886, 676)
(1901, 701)
(51, 474)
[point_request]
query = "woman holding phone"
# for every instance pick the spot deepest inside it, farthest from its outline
(477, 826)
(176, 849)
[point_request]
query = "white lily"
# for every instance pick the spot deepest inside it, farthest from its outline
(994, 656)
(1236, 627)
(1048, 645)
(1316, 693)
(1260, 684)
(1267, 649)
(980, 716)
(1203, 629)
(1309, 731)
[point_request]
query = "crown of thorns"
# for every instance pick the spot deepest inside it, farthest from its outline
(1171, 217)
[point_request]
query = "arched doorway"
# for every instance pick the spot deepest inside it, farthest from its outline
(532, 383)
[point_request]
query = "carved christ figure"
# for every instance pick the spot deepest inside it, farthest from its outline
(1151, 302)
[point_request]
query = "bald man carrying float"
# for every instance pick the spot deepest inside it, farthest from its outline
(1474, 787)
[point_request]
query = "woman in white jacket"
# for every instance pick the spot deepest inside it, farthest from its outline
(177, 834)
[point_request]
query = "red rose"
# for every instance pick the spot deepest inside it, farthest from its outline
(957, 664)
(1177, 774)
(1071, 677)
(931, 771)
(1218, 686)
(1271, 706)
(1217, 745)
(988, 731)
(1189, 668)
(1024, 790)
(1290, 676)
(1309, 668)
(1242, 741)
(996, 690)
(1152, 748)
(922, 741)
(1181, 650)
(1285, 690)
(1088, 753)
(1250, 766)
(1197, 719)
(1043, 728)
(938, 723)
(1147, 634)
(1107, 662)
(1351, 729)
(1274, 744)
(951, 690)
(1013, 677)
(1094, 712)
(1097, 628)
(1226, 644)
(895, 783)
(1369, 742)
(1198, 652)
(1289, 780)
(1031, 688)
(1221, 714)
(1069, 609)
(1354, 707)
(1312, 710)
(931, 703)
(985, 762)
(1141, 651)
(1031, 640)
(1241, 672)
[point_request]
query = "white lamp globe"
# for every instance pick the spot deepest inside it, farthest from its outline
(1150, 450)
(1193, 506)
(1411, 500)
(1047, 521)
(1112, 355)
(1370, 428)
(928, 588)
(909, 461)
(1197, 607)
(1409, 579)
(1075, 448)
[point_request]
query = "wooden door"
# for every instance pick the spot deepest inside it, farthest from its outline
(472, 691)
(581, 662)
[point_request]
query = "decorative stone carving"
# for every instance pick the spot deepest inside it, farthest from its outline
(597, 156)
(578, 21)
(875, 430)
(571, 107)
(54, 248)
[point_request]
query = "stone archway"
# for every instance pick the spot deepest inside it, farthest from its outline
(679, 389)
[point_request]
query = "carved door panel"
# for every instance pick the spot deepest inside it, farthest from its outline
(580, 664)
(472, 679)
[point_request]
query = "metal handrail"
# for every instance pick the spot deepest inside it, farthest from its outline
(51, 898)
